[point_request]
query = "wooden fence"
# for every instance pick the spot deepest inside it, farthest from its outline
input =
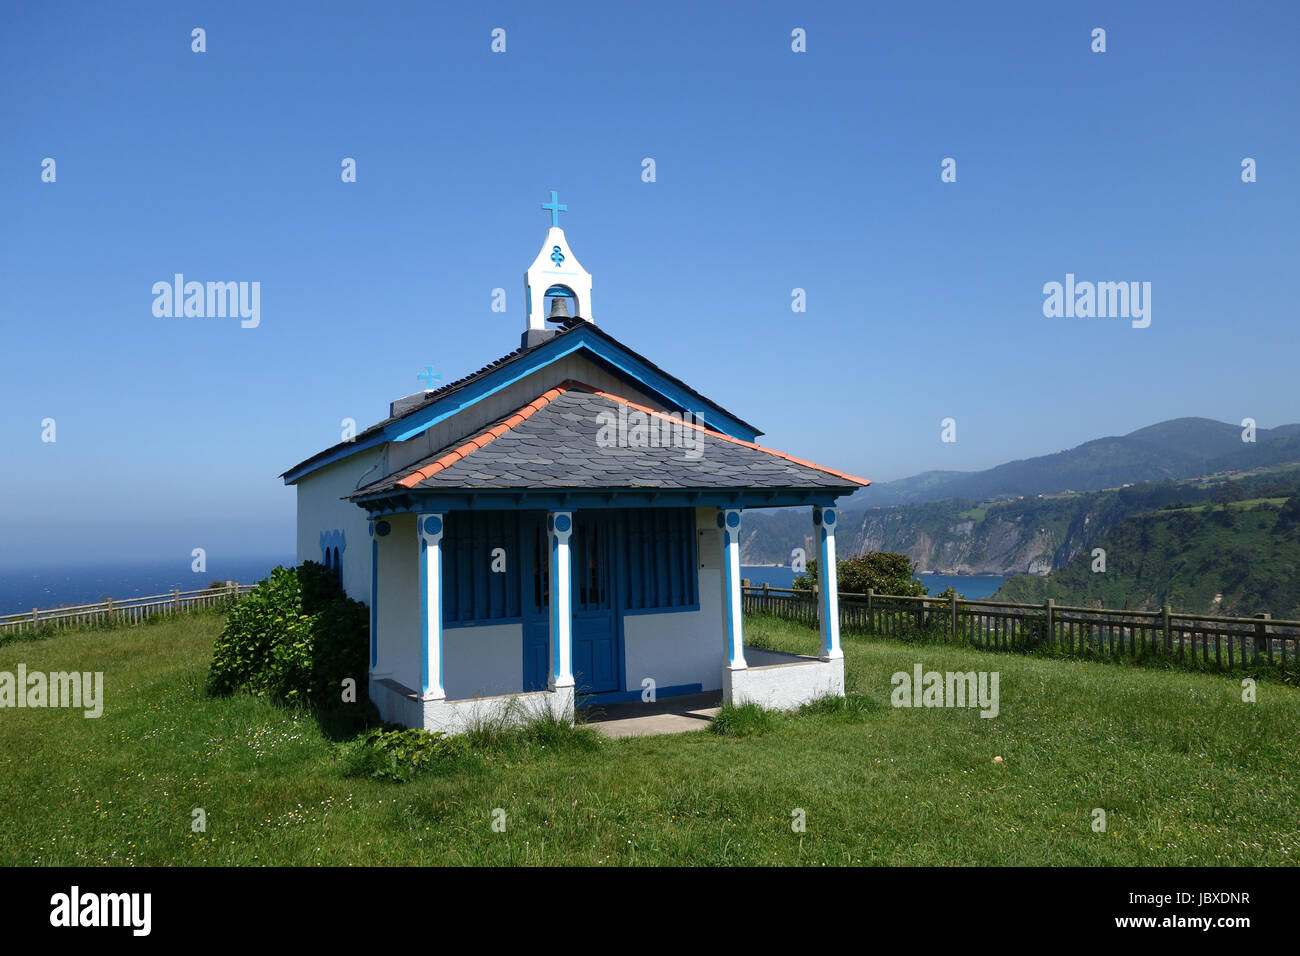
(125, 611)
(1211, 641)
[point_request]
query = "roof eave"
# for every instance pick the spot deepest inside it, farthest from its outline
(404, 500)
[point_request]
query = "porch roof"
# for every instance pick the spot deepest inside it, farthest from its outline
(561, 441)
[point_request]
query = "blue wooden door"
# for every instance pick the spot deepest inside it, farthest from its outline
(596, 652)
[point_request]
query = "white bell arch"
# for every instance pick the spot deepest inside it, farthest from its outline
(556, 270)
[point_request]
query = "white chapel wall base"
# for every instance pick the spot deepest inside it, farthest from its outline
(783, 686)
(401, 705)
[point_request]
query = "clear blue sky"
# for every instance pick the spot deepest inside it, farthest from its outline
(775, 170)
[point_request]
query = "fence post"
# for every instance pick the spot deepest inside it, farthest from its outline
(871, 620)
(954, 615)
(1049, 610)
(1168, 627)
(1261, 634)
(176, 599)
(36, 618)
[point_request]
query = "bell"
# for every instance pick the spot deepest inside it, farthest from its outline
(559, 311)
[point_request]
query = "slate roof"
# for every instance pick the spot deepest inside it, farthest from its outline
(442, 392)
(556, 441)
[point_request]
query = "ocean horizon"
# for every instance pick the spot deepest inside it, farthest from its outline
(64, 585)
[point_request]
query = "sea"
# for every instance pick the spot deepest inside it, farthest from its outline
(22, 589)
(972, 586)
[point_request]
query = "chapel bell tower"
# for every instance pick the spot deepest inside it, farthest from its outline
(556, 288)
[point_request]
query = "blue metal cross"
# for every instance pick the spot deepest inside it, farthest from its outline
(429, 377)
(556, 207)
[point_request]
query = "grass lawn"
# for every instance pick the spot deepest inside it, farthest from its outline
(1186, 772)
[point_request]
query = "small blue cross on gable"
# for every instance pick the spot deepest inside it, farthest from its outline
(556, 207)
(429, 377)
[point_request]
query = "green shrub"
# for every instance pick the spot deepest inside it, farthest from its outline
(517, 730)
(545, 731)
(401, 755)
(294, 639)
(851, 707)
(881, 571)
(743, 720)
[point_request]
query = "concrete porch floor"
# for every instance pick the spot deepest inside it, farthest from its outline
(671, 715)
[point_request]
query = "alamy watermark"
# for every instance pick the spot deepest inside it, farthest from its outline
(83, 690)
(128, 910)
(215, 300)
(951, 689)
(1102, 300)
(633, 428)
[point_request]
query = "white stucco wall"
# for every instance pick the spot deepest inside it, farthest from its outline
(483, 660)
(683, 647)
(321, 508)
(399, 602)
(677, 647)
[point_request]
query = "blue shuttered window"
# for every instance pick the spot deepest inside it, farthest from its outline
(637, 560)
(660, 569)
(472, 590)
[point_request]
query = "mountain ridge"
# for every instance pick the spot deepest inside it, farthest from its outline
(1177, 448)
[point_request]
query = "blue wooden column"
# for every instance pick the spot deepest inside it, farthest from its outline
(559, 529)
(828, 590)
(729, 524)
(429, 529)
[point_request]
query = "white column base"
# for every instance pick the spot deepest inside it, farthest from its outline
(783, 686)
(400, 705)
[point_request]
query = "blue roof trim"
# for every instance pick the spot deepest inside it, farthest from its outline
(344, 451)
(421, 419)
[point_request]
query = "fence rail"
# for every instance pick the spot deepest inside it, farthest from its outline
(124, 611)
(1212, 641)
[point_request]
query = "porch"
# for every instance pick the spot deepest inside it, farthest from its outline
(527, 613)
(773, 679)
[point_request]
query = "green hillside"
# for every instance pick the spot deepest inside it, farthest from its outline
(1033, 535)
(1239, 558)
(1175, 449)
